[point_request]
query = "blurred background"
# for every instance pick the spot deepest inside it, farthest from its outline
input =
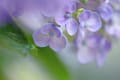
(20, 60)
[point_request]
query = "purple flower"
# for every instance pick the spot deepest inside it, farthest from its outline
(71, 7)
(90, 20)
(93, 47)
(115, 4)
(71, 26)
(90, 4)
(48, 8)
(49, 35)
(66, 19)
(106, 11)
(68, 22)
(4, 16)
(62, 18)
(113, 26)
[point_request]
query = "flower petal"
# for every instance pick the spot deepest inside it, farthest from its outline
(71, 7)
(105, 11)
(71, 26)
(4, 16)
(100, 59)
(61, 19)
(84, 55)
(40, 38)
(90, 20)
(57, 43)
(113, 26)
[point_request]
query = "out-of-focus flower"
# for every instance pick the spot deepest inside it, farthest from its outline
(113, 26)
(93, 47)
(115, 4)
(72, 26)
(106, 11)
(66, 19)
(4, 16)
(90, 20)
(46, 7)
(49, 35)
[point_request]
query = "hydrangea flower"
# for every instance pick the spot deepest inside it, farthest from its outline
(93, 47)
(49, 35)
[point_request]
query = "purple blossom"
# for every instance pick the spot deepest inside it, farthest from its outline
(113, 26)
(66, 19)
(115, 4)
(84, 26)
(62, 18)
(93, 47)
(49, 35)
(68, 22)
(71, 7)
(90, 20)
(106, 11)
(48, 8)
(72, 26)
(90, 4)
(4, 16)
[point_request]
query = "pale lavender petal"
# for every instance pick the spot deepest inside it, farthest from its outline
(71, 7)
(61, 19)
(50, 7)
(90, 20)
(105, 11)
(93, 39)
(93, 47)
(100, 59)
(50, 29)
(57, 43)
(106, 45)
(40, 38)
(55, 31)
(46, 28)
(4, 16)
(101, 45)
(71, 26)
(82, 32)
(91, 5)
(94, 23)
(84, 55)
(115, 4)
(113, 26)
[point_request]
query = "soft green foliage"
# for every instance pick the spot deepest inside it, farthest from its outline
(15, 44)
(77, 13)
(84, 1)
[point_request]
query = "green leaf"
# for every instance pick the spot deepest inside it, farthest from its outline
(84, 1)
(15, 44)
(51, 61)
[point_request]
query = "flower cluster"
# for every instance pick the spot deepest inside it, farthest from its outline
(92, 23)
(92, 26)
